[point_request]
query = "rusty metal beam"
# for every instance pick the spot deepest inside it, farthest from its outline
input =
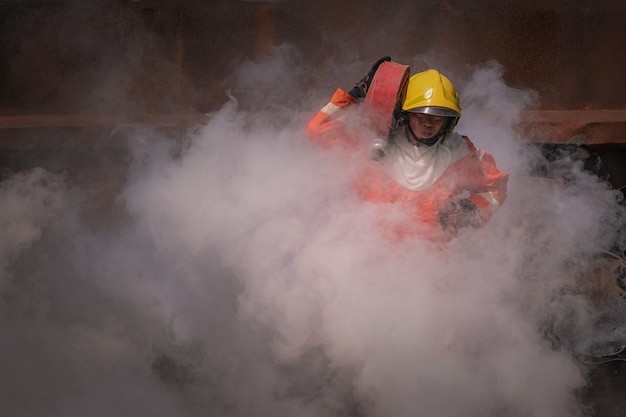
(579, 117)
(587, 126)
(557, 126)
(89, 120)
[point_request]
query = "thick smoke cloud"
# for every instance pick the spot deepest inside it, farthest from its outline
(244, 276)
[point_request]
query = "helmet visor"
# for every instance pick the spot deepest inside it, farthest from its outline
(435, 111)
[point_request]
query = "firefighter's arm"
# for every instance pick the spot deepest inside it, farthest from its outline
(487, 186)
(326, 128)
(491, 186)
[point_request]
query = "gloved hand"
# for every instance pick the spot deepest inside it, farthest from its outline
(361, 87)
(459, 213)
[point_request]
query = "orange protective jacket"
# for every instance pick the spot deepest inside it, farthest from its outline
(474, 176)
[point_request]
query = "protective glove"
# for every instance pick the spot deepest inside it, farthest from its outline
(459, 213)
(361, 87)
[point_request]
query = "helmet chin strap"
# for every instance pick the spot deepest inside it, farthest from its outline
(428, 141)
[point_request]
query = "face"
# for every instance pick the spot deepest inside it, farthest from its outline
(425, 126)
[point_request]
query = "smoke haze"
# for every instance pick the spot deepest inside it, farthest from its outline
(243, 276)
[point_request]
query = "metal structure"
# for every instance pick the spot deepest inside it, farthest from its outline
(161, 63)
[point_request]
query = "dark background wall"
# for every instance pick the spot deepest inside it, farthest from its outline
(106, 56)
(99, 57)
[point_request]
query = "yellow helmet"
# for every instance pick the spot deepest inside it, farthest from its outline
(431, 92)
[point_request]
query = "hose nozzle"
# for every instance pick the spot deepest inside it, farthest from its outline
(378, 149)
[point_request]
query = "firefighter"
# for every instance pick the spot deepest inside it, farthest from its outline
(438, 177)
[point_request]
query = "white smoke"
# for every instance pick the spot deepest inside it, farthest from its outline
(246, 277)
